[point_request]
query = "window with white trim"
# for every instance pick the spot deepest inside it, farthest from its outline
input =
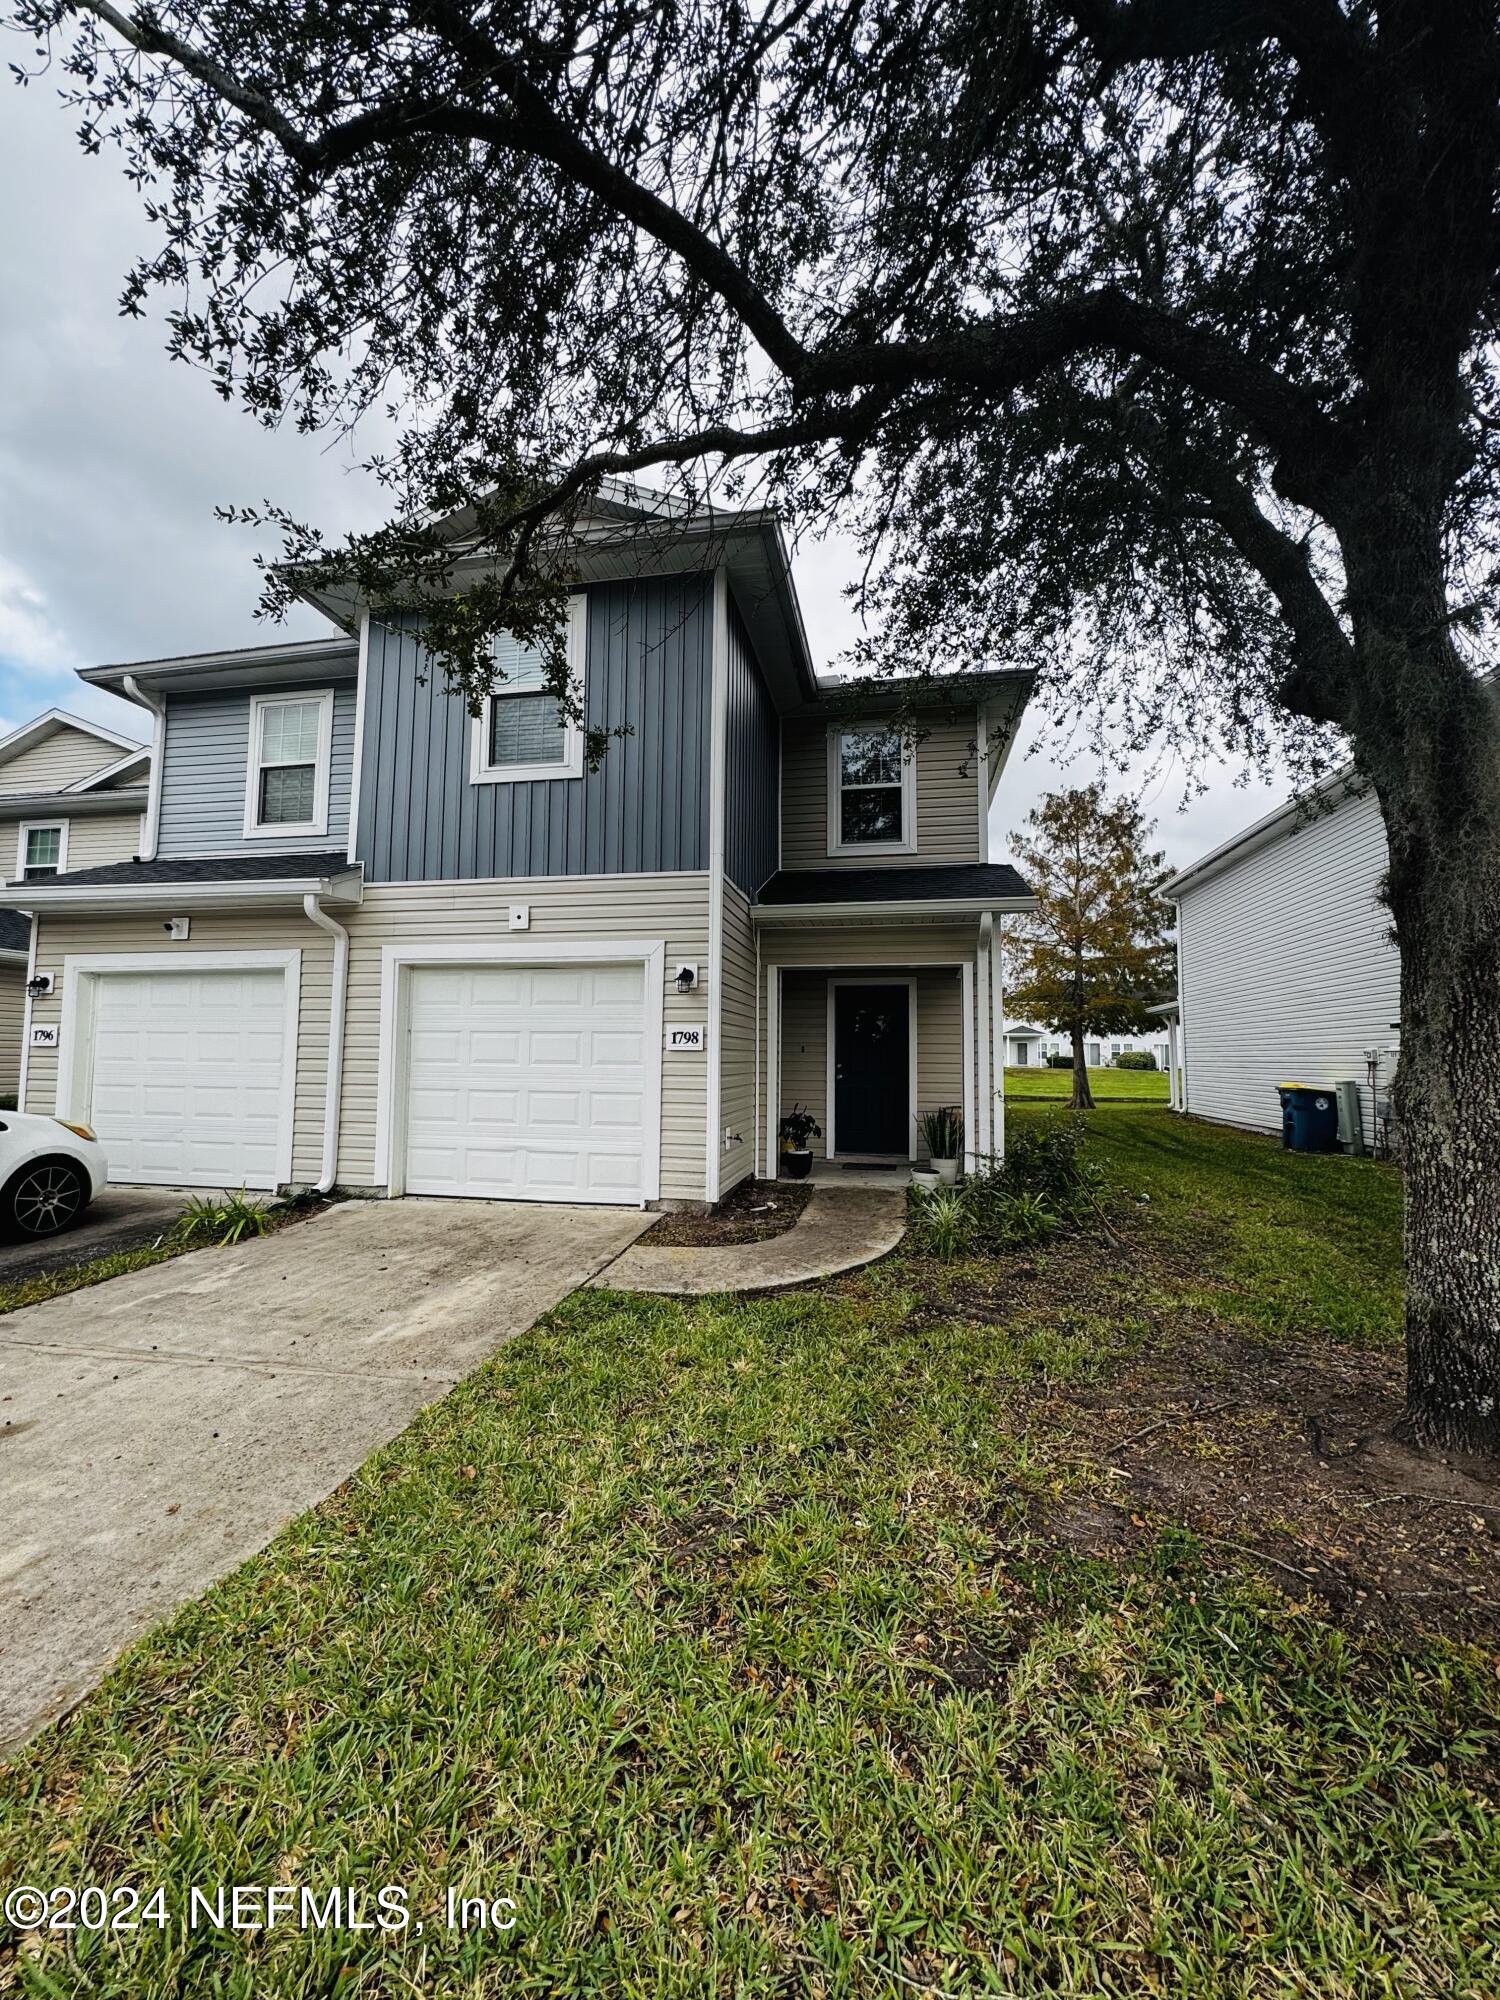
(286, 788)
(871, 796)
(525, 733)
(42, 850)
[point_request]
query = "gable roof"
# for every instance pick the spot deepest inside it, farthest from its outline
(133, 763)
(1302, 809)
(51, 723)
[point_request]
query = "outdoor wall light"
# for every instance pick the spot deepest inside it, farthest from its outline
(39, 985)
(687, 978)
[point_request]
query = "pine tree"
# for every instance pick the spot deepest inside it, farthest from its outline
(1099, 949)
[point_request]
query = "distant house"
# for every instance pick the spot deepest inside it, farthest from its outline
(72, 794)
(1286, 969)
(1025, 1044)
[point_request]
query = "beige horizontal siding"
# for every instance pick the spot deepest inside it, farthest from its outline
(61, 937)
(947, 800)
(61, 759)
(884, 945)
(98, 842)
(736, 1053)
(568, 908)
(12, 1025)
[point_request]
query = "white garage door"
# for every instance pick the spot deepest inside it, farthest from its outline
(187, 1076)
(527, 1081)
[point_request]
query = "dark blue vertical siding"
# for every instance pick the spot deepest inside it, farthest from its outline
(753, 753)
(644, 809)
(204, 769)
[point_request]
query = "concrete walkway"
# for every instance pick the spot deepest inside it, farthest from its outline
(158, 1429)
(840, 1229)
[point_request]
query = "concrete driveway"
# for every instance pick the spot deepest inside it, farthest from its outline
(158, 1429)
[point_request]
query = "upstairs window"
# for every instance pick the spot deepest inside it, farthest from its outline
(871, 797)
(524, 733)
(43, 850)
(287, 785)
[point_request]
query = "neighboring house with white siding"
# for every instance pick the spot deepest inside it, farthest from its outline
(1286, 968)
(415, 952)
(72, 796)
(1027, 1045)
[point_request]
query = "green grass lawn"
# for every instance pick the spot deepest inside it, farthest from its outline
(729, 1640)
(1115, 1086)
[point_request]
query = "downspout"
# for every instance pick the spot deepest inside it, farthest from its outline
(27, 1027)
(158, 710)
(334, 1085)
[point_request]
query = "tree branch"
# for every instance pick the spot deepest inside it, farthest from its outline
(1325, 651)
(1005, 354)
(535, 129)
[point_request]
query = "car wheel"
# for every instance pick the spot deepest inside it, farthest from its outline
(45, 1198)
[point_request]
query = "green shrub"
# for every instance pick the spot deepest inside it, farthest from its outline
(1042, 1185)
(1045, 1156)
(1059, 1062)
(942, 1222)
(230, 1220)
(1135, 1059)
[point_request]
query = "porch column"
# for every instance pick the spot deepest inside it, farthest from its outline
(997, 1009)
(982, 1024)
(969, 1054)
(773, 1068)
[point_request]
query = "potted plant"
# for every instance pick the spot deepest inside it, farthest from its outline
(943, 1135)
(797, 1126)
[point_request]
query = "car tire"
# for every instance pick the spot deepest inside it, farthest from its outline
(44, 1198)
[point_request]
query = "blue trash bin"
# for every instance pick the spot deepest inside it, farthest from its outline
(1309, 1118)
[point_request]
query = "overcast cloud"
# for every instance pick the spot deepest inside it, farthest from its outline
(112, 461)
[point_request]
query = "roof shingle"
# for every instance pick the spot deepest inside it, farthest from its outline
(962, 882)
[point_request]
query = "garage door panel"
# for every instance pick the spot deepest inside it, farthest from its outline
(615, 1049)
(493, 1109)
(495, 1045)
(188, 1071)
(545, 1097)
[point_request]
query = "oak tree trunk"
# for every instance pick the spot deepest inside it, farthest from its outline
(1082, 1098)
(1426, 731)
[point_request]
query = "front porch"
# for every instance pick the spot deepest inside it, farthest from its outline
(868, 1027)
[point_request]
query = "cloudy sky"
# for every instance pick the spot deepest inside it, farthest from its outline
(112, 461)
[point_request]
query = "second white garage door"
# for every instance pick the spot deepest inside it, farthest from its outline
(527, 1081)
(187, 1080)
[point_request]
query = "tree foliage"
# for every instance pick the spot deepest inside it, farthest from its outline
(1067, 308)
(1098, 951)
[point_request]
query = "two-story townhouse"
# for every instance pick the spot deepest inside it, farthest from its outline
(371, 939)
(72, 794)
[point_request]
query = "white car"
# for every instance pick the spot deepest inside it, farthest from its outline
(49, 1173)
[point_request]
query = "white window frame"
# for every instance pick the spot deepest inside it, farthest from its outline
(30, 826)
(317, 826)
(837, 845)
(570, 766)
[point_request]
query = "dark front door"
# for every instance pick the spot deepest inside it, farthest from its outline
(871, 1078)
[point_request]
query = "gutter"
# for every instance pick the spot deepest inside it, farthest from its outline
(158, 710)
(337, 1007)
(106, 896)
(816, 913)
